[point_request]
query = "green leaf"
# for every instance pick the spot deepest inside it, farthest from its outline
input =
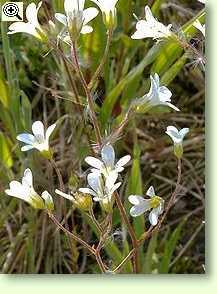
(169, 249)
(5, 154)
(147, 268)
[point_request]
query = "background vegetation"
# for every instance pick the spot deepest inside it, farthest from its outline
(34, 84)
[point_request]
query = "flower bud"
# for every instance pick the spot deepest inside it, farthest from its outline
(49, 205)
(82, 201)
(110, 19)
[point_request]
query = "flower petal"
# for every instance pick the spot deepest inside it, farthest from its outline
(94, 162)
(86, 30)
(26, 138)
(153, 217)
(88, 191)
(27, 148)
(89, 14)
(32, 13)
(140, 209)
(38, 130)
(49, 131)
(61, 18)
(135, 199)
(172, 106)
(67, 196)
(93, 180)
(123, 161)
(150, 192)
(108, 155)
(183, 132)
(27, 178)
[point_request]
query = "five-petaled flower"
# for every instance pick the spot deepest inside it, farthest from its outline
(157, 96)
(32, 26)
(26, 191)
(108, 12)
(177, 137)
(77, 18)
(107, 164)
(102, 188)
(39, 140)
(151, 27)
(155, 204)
(200, 27)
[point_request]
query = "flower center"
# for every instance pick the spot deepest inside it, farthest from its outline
(155, 201)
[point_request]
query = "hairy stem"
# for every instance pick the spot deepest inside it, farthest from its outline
(88, 94)
(103, 60)
(130, 230)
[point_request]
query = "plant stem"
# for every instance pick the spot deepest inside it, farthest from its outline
(92, 216)
(88, 94)
(60, 178)
(152, 229)
(72, 235)
(103, 61)
(131, 231)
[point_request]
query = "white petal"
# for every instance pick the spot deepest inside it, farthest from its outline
(135, 199)
(89, 14)
(88, 191)
(17, 190)
(61, 18)
(27, 178)
(149, 16)
(111, 179)
(183, 132)
(153, 217)
(26, 138)
(27, 148)
(140, 209)
(67, 196)
(172, 106)
(174, 134)
(108, 155)
(73, 5)
(32, 13)
(38, 130)
(164, 94)
(93, 180)
(123, 161)
(22, 27)
(86, 30)
(150, 192)
(115, 187)
(47, 198)
(94, 162)
(49, 131)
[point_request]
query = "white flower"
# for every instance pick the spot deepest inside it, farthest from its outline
(141, 205)
(25, 190)
(102, 188)
(107, 164)
(158, 95)
(200, 27)
(31, 27)
(108, 11)
(77, 18)
(177, 137)
(151, 27)
(39, 140)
